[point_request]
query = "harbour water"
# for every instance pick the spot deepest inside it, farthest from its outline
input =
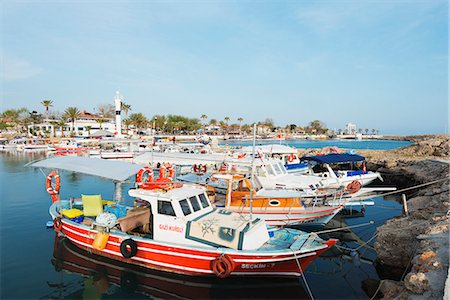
(35, 265)
(343, 144)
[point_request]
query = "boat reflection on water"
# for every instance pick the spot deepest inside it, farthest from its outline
(103, 276)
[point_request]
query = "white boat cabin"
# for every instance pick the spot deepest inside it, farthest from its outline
(185, 215)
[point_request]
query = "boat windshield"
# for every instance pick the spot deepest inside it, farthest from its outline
(165, 208)
(277, 169)
(203, 200)
(194, 203)
(185, 207)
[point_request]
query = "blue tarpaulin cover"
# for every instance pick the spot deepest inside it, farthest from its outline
(334, 158)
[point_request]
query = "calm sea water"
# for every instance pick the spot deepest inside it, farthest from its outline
(36, 265)
(344, 144)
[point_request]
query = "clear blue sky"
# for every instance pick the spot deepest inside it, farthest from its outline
(379, 64)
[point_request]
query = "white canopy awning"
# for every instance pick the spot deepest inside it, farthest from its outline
(114, 170)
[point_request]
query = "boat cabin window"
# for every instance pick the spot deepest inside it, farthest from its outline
(270, 171)
(165, 208)
(203, 200)
(277, 169)
(185, 207)
(194, 203)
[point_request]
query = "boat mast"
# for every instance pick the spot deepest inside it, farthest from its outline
(253, 171)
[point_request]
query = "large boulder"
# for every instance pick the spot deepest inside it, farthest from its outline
(417, 283)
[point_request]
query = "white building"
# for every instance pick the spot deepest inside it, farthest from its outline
(86, 124)
(350, 128)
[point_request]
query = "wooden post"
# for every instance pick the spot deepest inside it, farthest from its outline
(405, 206)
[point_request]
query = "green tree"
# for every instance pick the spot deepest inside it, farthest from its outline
(204, 117)
(139, 121)
(55, 124)
(127, 123)
(47, 103)
(88, 128)
(100, 122)
(126, 108)
(240, 119)
(318, 127)
(72, 113)
(62, 124)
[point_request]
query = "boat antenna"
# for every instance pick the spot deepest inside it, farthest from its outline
(252, 174)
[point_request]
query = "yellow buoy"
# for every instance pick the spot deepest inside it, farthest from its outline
(100, 241)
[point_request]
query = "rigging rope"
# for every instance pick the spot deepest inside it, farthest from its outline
(303, 276)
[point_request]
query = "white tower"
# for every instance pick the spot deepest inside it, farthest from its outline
(118, 102)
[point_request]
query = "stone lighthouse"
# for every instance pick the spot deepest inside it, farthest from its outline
(118, 102)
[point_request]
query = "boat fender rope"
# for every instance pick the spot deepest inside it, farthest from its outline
(57, 224)
(353, 186)
(128, 248)
(223, 265)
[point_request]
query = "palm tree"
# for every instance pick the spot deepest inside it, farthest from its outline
(61, 124)
(127, 123)
(367, 131)
(72, 113)
(55, 124)
(138, 120)
(204, 117)
(226, 120)
(47, 103)
(373, 131)
(100, 122)
(240, 119)
(88, 128)
(126, 109)
(359, 130)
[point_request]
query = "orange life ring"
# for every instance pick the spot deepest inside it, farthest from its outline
(57, 224)
(171, 170)
(242, 155)
(162, 171)
(53, 191)
(223, 266)
(291, 157)
(353, 186)
(140, 176)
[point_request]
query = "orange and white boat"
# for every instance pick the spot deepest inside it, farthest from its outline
(276, 207)
(175, 228)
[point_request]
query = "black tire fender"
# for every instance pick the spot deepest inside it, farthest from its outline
(128, 248)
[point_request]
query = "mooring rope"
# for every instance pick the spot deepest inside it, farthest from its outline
(413, 187)
(303, 276)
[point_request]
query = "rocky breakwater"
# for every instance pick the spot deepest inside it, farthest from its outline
(416, 243)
